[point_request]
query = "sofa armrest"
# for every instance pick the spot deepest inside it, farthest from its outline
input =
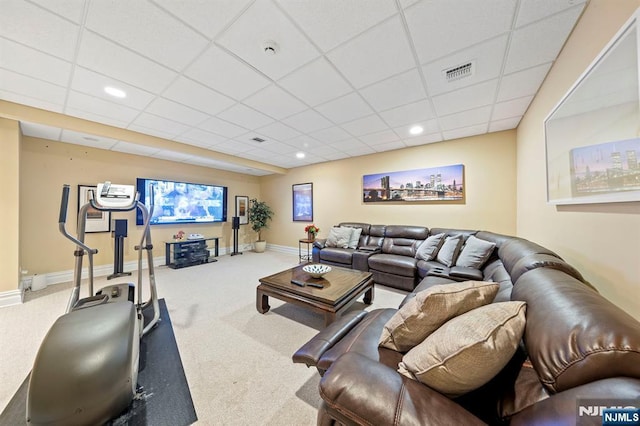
(319, 243)
(311, 351)
(358, 390)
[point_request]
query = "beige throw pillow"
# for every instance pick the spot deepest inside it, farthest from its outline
(339, 237)
(428, 249)
(431, 308)
(475, 252)
(468, 351)
(449, 251)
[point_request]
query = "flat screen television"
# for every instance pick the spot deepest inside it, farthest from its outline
(183, 202)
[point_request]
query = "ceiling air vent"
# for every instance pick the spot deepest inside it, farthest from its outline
(460, 71)
(258, 140)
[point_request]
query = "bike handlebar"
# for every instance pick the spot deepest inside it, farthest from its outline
(64, 204)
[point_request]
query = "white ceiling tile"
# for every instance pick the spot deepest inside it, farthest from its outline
(345, 108)
(465, 119)
(222, 127)
(505, 124)
(92, 83)
(389, 146)
(131, 148)
(464, 132)
(201, 138)
(198, 96)
(171, 155)
(226, 74)
(395, 91)
(70, 9)
(327, 83)
(380, 137)
(231, 147)
(522, 83)
(246, 117)
(87, 115)
(263, 22)
(424, 139)
(361, 61)
(275, 102)
(349, 144)
(304, 142)
(280, 148)
(109, 59)
(158, 126)
(208, 17)
(366, 125)
(32, 88)
(278, 131)
(30, 62)
(466, 98)
(325, 150)
(146, 29)
(540, 42)
(331, 22)
(408, 114)
(176, 112)
(26, 100)
(487, 59)
(307, 121)
(512, 108)
(42, 131)
(331, 135)
(29, 24)
(365, 150)
(533, 10)
(91, 104)
(440, 27)
(428, 127)
(86, 139)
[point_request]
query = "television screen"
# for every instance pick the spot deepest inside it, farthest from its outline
(182, 202)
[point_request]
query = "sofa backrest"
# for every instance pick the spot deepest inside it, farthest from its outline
(450, 231)
(376, 235)
(403, 240)
(574, 335)
(513, 250)
(364, 236)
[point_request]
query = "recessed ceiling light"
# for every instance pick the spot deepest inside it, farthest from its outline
(300, 155)
(416, 130)
(115, 92)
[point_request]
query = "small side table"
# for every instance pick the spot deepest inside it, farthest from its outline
(304, 257)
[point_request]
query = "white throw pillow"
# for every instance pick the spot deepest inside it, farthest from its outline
(355, 237)
(449, 251)
(339, 237)
(475, 252)
(429, 248)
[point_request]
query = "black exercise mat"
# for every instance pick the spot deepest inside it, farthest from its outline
(165, 396)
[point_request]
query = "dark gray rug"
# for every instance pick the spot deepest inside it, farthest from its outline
(165, 396)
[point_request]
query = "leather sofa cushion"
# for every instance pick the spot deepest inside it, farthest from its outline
(574, 335)
(363, 339)
(534, 261)
(337, 255)
(512, 251)
(393, 264)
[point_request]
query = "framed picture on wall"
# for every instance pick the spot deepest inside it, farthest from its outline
(242, 208)
(97, 221)
(303, 202)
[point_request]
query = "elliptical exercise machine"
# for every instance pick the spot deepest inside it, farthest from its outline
(86, 369)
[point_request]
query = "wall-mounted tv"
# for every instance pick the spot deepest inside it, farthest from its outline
(183, 202)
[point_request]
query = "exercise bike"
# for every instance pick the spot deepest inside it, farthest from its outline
(86, 370)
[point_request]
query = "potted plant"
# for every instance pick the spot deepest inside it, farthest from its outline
(259, 215)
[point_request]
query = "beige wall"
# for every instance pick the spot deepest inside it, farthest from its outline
(601, 240)
(490, 174)
(47, 165)
(9, 202)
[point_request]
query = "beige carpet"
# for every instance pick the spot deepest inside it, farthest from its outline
(237, 361)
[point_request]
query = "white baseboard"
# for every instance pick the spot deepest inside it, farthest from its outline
(283, 249)
(9, 298)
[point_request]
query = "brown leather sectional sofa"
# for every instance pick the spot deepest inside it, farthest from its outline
(577, 347)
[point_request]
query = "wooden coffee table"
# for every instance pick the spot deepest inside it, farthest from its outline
(342, 287)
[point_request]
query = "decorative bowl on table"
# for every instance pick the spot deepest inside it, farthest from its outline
(316, 270)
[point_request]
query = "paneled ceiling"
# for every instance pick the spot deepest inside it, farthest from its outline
(329, 79)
